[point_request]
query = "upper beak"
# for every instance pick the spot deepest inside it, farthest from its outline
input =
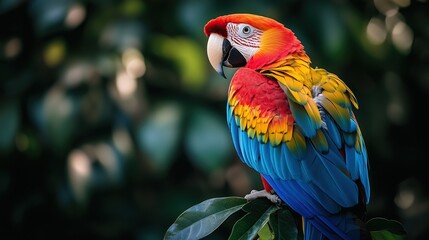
(221, 53)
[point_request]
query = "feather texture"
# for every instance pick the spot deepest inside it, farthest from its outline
(294, 124)
(279, 147)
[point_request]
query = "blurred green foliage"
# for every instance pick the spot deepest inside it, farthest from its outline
(113, 121)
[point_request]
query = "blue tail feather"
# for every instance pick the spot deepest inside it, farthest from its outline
(318, 222)
(339, 226)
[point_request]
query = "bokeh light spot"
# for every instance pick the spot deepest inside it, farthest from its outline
(107, 159)
(54, 53)
(402, 37)
(126, 84)
(12, 47)
(79, 163)
(134, 62)
(75, 16)
(383, 6)
(79, 169)
(376, 31)
(402, 3)
(74, 74)
(405, 199)
(122, 140)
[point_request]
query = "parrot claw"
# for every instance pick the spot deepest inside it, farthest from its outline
(254, 194)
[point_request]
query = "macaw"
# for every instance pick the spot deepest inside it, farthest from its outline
(293, 124)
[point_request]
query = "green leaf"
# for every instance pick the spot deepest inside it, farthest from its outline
(385, 229)
(202, 219)
(265, 233)
(247, 227)
(283, 225)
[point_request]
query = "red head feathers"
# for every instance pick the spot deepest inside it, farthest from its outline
(270, 42)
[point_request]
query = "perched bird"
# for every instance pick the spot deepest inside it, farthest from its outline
(294, 124)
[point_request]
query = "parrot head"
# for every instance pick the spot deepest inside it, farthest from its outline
(249, 40)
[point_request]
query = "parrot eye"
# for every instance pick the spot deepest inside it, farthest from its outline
(245, 30)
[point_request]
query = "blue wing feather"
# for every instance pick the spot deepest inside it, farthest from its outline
(243, 140)
(254, 147)
(315, 184)
(234, 134)
(362, 162)
(307, 125)
(315, 214)
(334, 133)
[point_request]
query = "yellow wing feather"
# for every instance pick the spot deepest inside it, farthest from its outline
(297, 79)
(337, 99)
(294, 76)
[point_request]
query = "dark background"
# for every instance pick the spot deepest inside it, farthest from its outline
(113, 122)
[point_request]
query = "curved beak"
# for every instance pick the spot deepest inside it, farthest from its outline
(221, 53)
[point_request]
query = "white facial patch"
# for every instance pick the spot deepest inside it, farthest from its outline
(245, 38)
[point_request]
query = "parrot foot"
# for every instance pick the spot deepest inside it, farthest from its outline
(254, 194)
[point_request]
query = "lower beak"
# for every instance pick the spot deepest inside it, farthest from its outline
(221, 53)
